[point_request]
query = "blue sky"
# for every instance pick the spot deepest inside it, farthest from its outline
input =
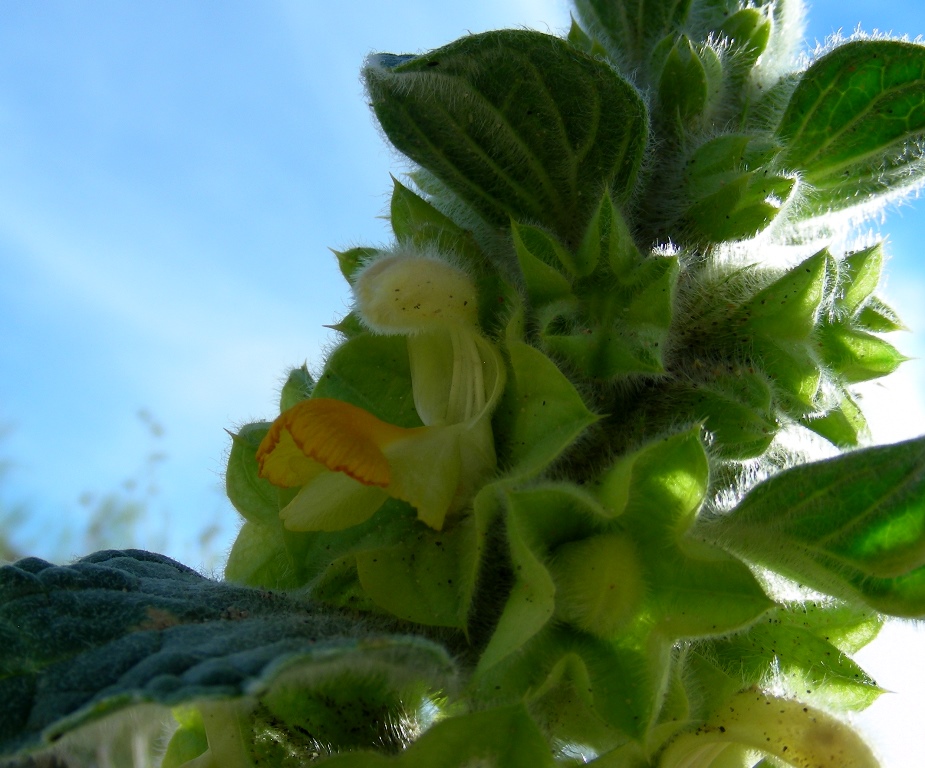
(171, 176)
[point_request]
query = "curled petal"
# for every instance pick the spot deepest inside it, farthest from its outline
(336, 435)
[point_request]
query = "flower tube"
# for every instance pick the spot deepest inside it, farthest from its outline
(346, 460)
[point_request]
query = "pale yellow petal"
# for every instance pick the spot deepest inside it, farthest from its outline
(331, 502)
(426, 472)
(408, 292)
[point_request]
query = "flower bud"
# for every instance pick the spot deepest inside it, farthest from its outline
(408, 292)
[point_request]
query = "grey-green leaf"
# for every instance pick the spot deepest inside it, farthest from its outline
(118, 629)
(519, 124)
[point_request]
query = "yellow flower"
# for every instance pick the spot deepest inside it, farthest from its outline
(347, 461)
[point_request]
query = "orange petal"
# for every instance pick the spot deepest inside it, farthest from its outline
(341, 436)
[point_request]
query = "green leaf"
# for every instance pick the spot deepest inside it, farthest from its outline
(540, 414)
(372, 372)
(855, 123)
(255, 499)
(632, 27)
(852, 526)
(120, 629)
(504, 736)
(518, 124)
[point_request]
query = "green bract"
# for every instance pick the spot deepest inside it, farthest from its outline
(528, 451)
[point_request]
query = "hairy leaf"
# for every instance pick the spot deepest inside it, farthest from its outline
(852, 526)
(632, 27)
(122, 628)
(518, 124)
(855, 123)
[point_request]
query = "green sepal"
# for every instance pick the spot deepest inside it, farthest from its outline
(683, 88)
(373, 373)
(731, 190)
(857, 355)
(254, 498)
(540, 414)
(696, 590)
(854, 124)
(748, 29)
(260, 557)
(852, 527)
(298, 387)
(587, 690)
(506, 736)
(735, 409)
(189, 741)
(602, 351)
(537, 520)
(117, 629)
(608, 235)
(349, 325)
(352, 260)
(541, 258)
(417, 221)
(877, 317)
(788, 308)
(328, 560)
(748, 32)
(584, 42)
(618, 327)
(858, 278)
(794, 372)
(843, 425)
(790, 647)
(518, 124)
(429, 576)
